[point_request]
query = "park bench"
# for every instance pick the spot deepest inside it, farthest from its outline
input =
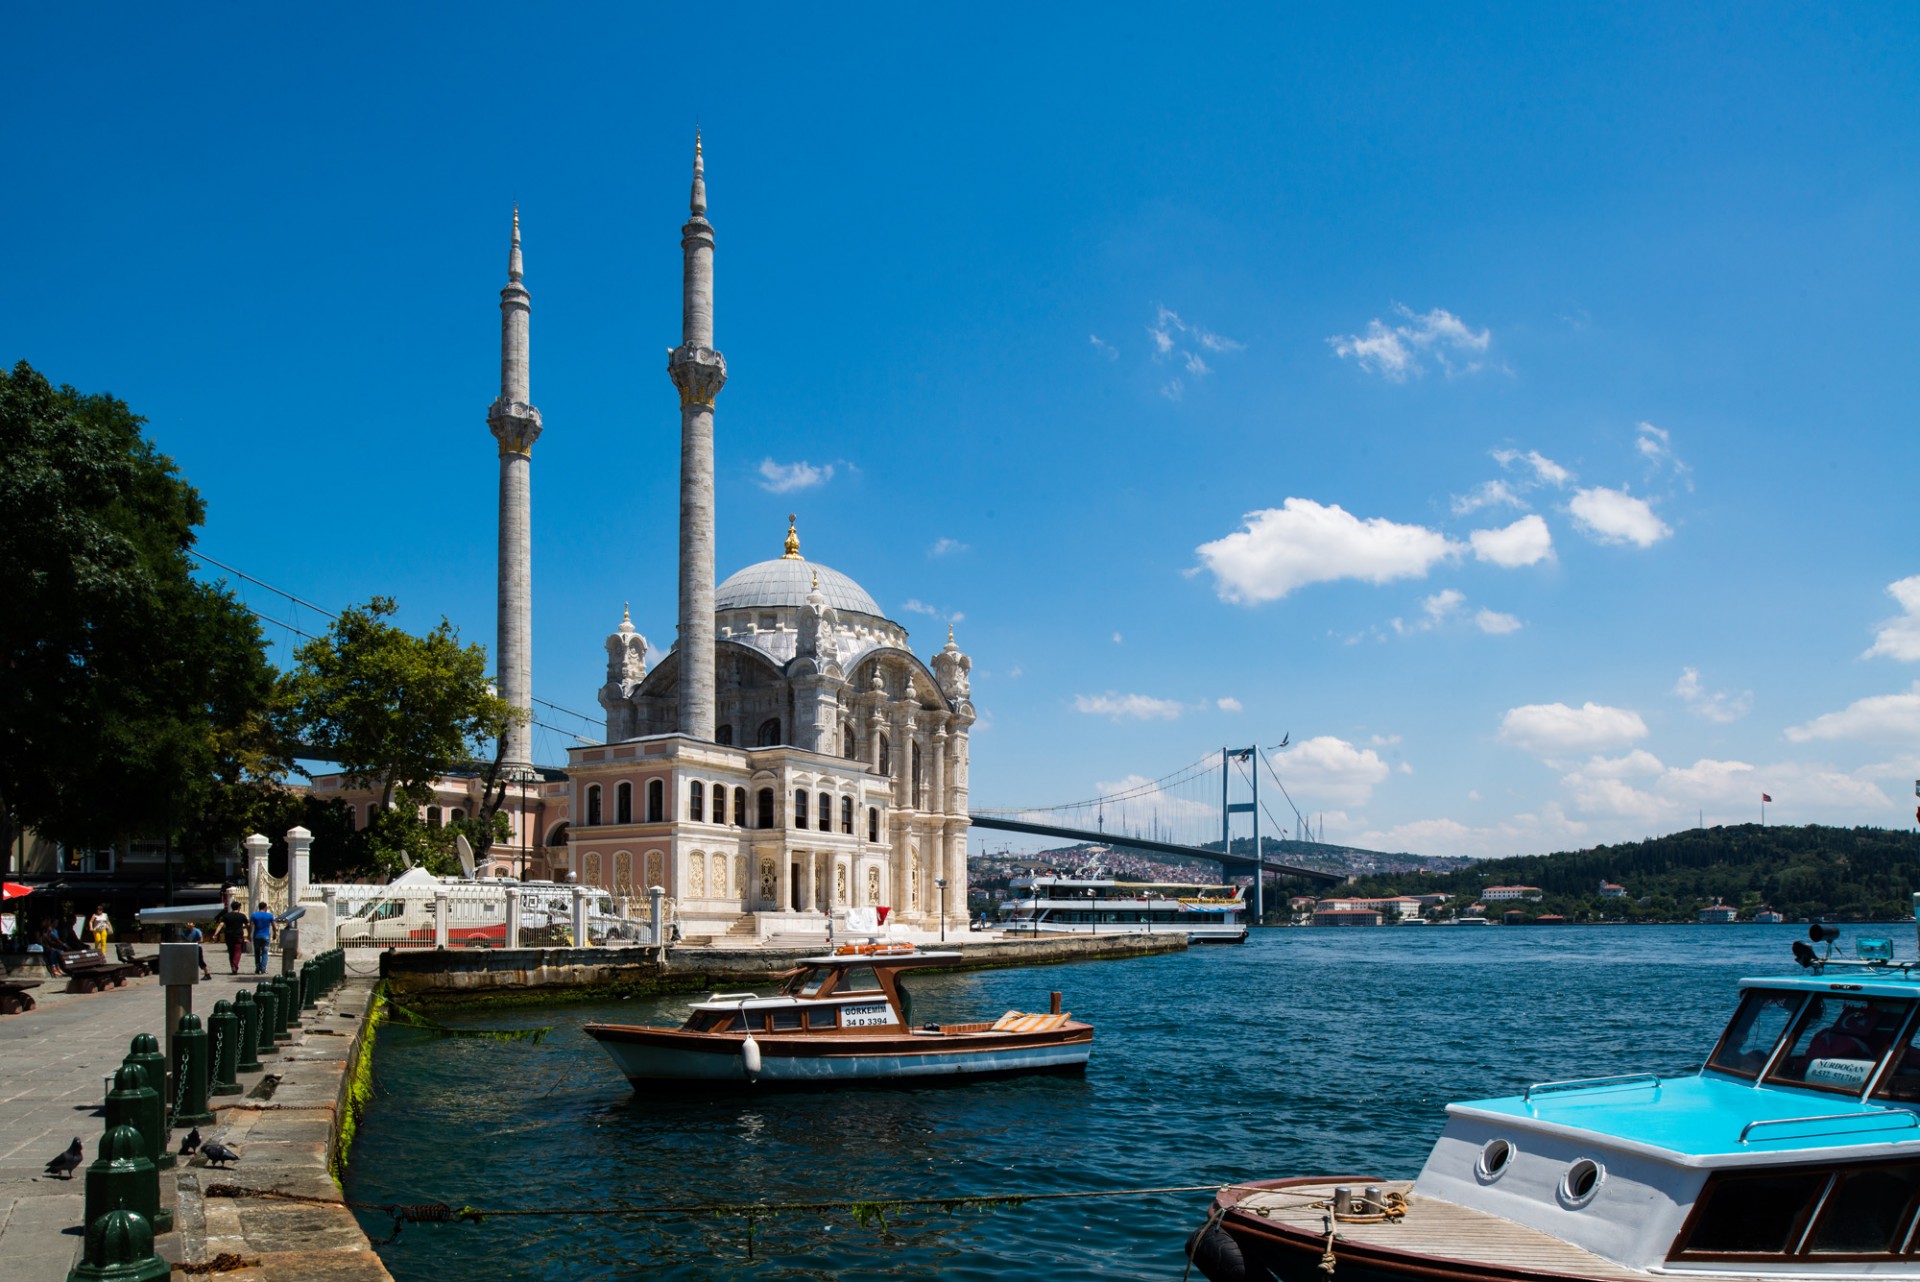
(91, 972)
(147, 965)
(14, 996)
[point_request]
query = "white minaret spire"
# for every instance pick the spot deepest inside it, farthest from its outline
(516, 425)
(699, 372)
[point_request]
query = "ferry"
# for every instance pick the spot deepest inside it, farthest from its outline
(1792, 1153)
(841, 1018)
(1051, 905)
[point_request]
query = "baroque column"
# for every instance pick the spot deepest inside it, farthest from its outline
(516, 426)
(699, 372)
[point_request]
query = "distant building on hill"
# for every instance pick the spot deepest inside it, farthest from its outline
(1493, 894)
(1346, 917)
(1612, 890)
(1719, 914)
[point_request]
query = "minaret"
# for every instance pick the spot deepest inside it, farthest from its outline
(516, 425)
(699, 372)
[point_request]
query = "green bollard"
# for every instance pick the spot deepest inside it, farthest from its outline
(223, 1026)
(247, 1011)
(120, 1249)
(190, 1073)
(133, 1103)
(267, 999)
(124, 1176)
(145, 1051)
(309, 987)
(290, 995)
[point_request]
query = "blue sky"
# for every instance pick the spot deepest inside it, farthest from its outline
(1515, 407)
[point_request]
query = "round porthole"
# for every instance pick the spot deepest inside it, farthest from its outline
(1495, 1157)
(1582, 1180)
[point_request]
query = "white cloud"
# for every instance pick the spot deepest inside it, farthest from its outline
(1304, 542)
(1556, 730)
(1228, 704)
(1106, 349)
(1118, 639)
(1545, 470)
(1488, 494)
(1678, 795)
(1330, 771)
(1197, 367)
(1173, 389)
(1140, 707)
(1714, 705)
(1441, 604)
(1614, 516)
(1637, 762)
(933, 611)
(1494, 623)
(946, 547)
(1550, 829)
(1168, 323)
(1655, 445)
(1878, 718)
(1527, 541)
(1397, 352)
(781, 478)
(1384, 740)
(1162, 341)
(1899, 637)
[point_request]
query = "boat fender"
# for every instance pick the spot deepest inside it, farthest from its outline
(750, 1057)
(1217, 1256)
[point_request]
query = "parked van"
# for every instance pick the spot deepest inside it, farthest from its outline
(402, 913)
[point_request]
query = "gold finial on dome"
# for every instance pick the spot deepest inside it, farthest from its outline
(626, 614)
(793, 540)
(816, 580)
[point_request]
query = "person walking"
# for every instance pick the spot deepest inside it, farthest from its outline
(262, 937)
(194, 937)
(101, 928)
(234, 928)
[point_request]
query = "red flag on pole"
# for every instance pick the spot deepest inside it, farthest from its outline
(1765, 797)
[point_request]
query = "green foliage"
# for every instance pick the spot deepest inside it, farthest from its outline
(391, 709)
(1801, 872)
(136, 696)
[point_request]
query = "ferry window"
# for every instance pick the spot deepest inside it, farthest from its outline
(623, 804)
(697, 802)
(826, 813)
(656, 801)
(858, 979)
(1753, 1214)
(1837, 1042)
(1754, 1032)
(846, 815)
(1867, 1212)
(785, 1019)
(800, 808)
(740, 807)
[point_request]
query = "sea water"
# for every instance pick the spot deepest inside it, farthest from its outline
(1303, 1051)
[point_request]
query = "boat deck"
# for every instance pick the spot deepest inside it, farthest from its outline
(1431, 1228)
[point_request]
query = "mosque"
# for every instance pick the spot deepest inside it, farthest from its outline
(790, 756)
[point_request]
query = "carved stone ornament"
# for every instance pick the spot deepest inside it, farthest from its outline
(873, 885)
(626, 660)
(766, 881)
(950, 669)
(515, 425)
(699, 373)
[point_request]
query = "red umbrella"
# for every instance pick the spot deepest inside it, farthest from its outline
(13, 890)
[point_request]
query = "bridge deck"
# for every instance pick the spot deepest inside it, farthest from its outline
(1239, 863)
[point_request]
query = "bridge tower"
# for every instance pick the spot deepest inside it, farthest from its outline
(1251, 807)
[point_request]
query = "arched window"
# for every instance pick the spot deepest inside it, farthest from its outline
(719, 803)
(623, 804)
(433, 816)
(765, 818)
(458, 815)
(558, 837)
(846, 815)
(740, 807)
(916, 768)
(826, 812)
(373, 813)
(697, 802)
(769, 735)
(847, 744)
(656, 801)
(351, 814)
(800, 808)
(886, 756)
(873, 823)
(724, 736)
(593, 805)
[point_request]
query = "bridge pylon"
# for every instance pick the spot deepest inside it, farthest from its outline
(1250, 807)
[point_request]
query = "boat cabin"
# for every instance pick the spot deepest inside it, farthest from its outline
(857, 991)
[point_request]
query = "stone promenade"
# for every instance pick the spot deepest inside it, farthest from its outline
(54, 1062)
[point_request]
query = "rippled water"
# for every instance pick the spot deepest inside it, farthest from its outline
(1300, 1052)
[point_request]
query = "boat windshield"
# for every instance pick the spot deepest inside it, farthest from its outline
(1902, 1081)
(1754, 1031)
(858, 979)
(1837, 1042)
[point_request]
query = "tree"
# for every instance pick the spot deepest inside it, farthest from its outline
(136, 696)
(393, 710)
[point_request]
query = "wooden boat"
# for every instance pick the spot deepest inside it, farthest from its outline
(1793, 1154)
(841, 1018)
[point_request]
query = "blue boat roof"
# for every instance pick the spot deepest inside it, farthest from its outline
(1700, 1119)
(1872, 981)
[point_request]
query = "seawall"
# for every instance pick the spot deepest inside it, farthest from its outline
(539, 976)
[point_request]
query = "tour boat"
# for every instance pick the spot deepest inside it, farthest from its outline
(1048, 905)
(1793, 1153)
(841, 1018)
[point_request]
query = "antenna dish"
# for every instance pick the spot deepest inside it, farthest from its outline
(465, 851)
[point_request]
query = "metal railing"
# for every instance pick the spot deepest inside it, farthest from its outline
(1906, 1121)
(1591, 1083)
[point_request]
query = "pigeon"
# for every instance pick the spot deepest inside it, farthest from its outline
(64, 1164)
(218, 1154)
(190, 1145)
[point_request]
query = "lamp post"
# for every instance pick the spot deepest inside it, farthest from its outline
(1093, 913)
(941, 882)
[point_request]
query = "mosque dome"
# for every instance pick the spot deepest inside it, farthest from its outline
(788, 580)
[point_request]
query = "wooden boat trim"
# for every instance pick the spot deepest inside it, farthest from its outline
(839, 1044)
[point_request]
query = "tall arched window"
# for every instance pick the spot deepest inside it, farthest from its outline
(765, 806)
(916, 768)
(352, 814)
(719, 803)
(623, 804)
(873, 823)
(656, 801)
(593, 805)
(800, 808)
(433, 816)
(846, 815)
(373, 813)
(697, 802)
(826, 812)
(769, 735)
(847, 744)
(458, 814)
(886, 756)
(740, 807)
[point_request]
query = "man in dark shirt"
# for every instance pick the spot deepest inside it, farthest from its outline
(234, 928)
(262, 937)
